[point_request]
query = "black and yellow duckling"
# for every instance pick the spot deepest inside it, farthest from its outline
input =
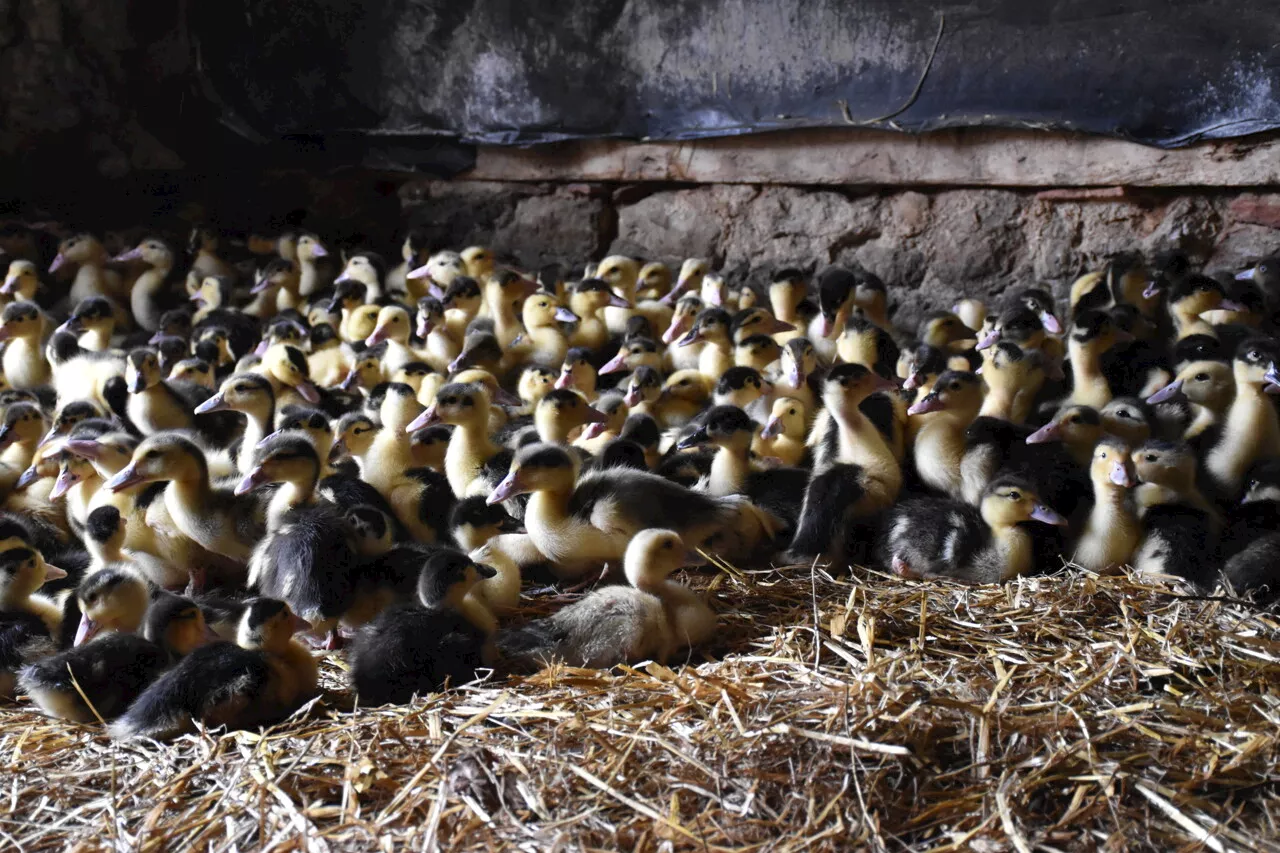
(939, 421)
(757, 351)
(711, 329)
(472, 460)
(1092, 334)
(252, 395)
(415, 650)
(30, 624)
(1179, 527)
(1013, 377)
(156, 404)
(106, 537)
(1112, 531)
(579, 524)
(863, 342)
(21, 282)
(146, 294)
(649, 619)
(93, 321)
(1250, 431)
(1209, 388)
(258, 680)
(1250, 541)
(933, 537)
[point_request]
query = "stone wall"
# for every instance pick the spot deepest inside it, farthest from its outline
(934, 245)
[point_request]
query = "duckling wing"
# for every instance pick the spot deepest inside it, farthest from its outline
(409, 650)
(933, 536)
(112, 671)
(1182, 541)
(625, 500)
(23, 638)
(309, 563)
(215, 684)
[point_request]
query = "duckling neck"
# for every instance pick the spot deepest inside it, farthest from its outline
(1190, 323)
(104, 552)
(729, 469)
(19, 454)
(24, 363)
(309, 276)
(940, 447)
(1007, 404)
(469, 448)
(1014, 547)
(146, 312)
(291, 495)
(1251, 431)
(860, 443)
(255, 429)
(1086, 374)
(96, 339)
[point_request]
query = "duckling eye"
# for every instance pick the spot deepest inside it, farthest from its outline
(1123, 414)
(1014, 496)
(668, 545)
(151, 454)
(1202, 377)
(1151, 457)
(1075, 420)
(684, 381)
(1254, 355)
(955, 386)
(791, 411)
(1102, 455)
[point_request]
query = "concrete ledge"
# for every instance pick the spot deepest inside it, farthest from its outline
(970, 157)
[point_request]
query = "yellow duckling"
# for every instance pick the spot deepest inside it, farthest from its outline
(784, 433)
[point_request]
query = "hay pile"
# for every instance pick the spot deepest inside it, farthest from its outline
(1070, 712)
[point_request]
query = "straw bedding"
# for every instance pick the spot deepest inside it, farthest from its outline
(1056, 713)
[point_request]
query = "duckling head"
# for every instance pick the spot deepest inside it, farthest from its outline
(414, 374)
(688, 386)
(644, 386)
(1010, 367)
(683, 318)
(577, 371)
(480, 376)
(956, 391)
(214, 292)
(22, 572)
(371, 528)
(93, 313)
(940, 328)
(835, 293)
(711, 326)
(142, 370)
(429, 446)
(614, 408)
(478, 262)
(1078, 426)
(463, 294)
(367, 268)
(655, 276)
(1018, 325)
(1264, 482)
(311, 424)
(620, 272)
(474, 522)
(1009, 501)
(66, 419)
(799, 361)
(1112, 467)
(77, 249)
(632, 354)
(1127, 419)
(286, 458)
(152, 251)
(1206, 383)
(756, 321)
(724, 426)
(21, 320)
(534, 384)
(480, 349)
(536, 468)
(692, 272)
(309, 248)
(543, 310)
(195, 371)
(787, 417)
(447, 577)
(871, 296)
(1166, 463)
(105, 530)
(441, 269)
(400, 408)
(560, 412)
(758, 351)
(23, 422)
(109, 452)
(787, 289)
(430, 314)
(276, 274)
(177, 625)
(162, 457)
(354, 435)
(1196, 294)
(21, 281)
(249, 393)
(458, 404)
(288, 366)
(111, 599)
(1040, 302)
(741, 386)
(71, 469)
(268, 624)
(1257, 363)
(654, 554)
(1095, 331)
(919, 364)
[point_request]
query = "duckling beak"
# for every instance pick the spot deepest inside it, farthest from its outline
(928, 403)
(766, 387)
(1245, 275)
(564, 315)
(428, 417)
(352, 378)
(618, 362)
(1231, 305)
(216, 403)
(266, 283)
(1152, 290)
(913, 381)
(10, 285)
(337, 450)
(319, 251)
(424, 327)
(618, 302)
(1272, 376)
(507, 489)
(1050, 323)
(5, 332)
(87, 630)
(485, 572)
(345, 276)
(57, 262)
(48, 437)
(774, 326)
(595, 416)
(1120, 475)
(197, 298)
(632, 397)
(772, 428)
(505, 398)
(989, 340)
(266, 439)
(26, 478)
(83, 448)
(255, 478)
(298, 625)
(692, 337)
(675, 330)
(458, 363)
(592, 430)
(1167, 393)
(53, 573)
(378, 335)
(127, 477)
(1048, 432)
(1042, 513)
(698, 436)
(826, 325)
(436, 292)
(565, 380)
(132, 255)
(419, 272)
(308, 391)
(881, 384)
(261, 349)
(66, 479)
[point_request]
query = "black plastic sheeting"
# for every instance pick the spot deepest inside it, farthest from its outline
(397, 83)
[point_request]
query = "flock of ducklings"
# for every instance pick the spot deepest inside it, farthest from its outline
(207, 460)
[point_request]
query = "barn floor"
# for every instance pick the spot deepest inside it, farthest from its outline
(1060, 713)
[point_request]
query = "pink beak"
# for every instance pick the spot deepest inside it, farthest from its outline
(930, 403)
(378, 335)
(1120, 475)
(424, 327)
(418, 272)
(595, 416)
(565, 380)
(10, 286)
(1046, 433)
(307, 390)
(426, 418)
(618, 362)
(989, 340)
(131, 255)
(506, 490)
(1166, 393)
(319, 251)
(772, 428)
(592, 430)
(825, 326)
(57, 263)
(66, 479)
(675, 330)
(87, 630)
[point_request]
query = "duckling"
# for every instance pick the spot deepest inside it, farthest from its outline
(430, 445)
(203, 246)
(1092, 334)
(415, 650)
(81, 374)
(835, 300)
(1250, 542)
(940, 420)
(480, 350)
(863, 342)
(871, 299)
(92, 278)
(650, 619)
(561, 414)
(783, 434)
(311, 278)
(1251, 430)
(799, 377)
(534, 384)
(258, 680)
(1013, 377)
(643, 390)
(275, 289)
(214, 518)
(1179, 528)
(421, 498)
(145, 295)
(462, 301)
(859, 476)
(487, 534)
(653, 281)
(578, 526)
(786, 291)
(29, 622)
(684, 394)
(622, 274)
(758, 351)
(106, 535)
(1191, 297)
(194, 371)
(944, 330)
(252, 395)
(414, 253)
(155, 403)
(21, 281)
(22, 326)
(691, 275)
(597, 434)
(932, 537)
(577, 373)
(212, 344)
(472, 462)
(393, 329)
(1078, 427)
(286, 368)
(93, 321)
(683, 320)
(503, 293)
(1170, 467)
(440, 270)
(973, 313)
(369, 269)
(633, 354)
(1127, 419)
(442, 347)
(21, 427)
(544, 343)
(1112, 531)
(1208, 387)
(755, 321)
(745, 388)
